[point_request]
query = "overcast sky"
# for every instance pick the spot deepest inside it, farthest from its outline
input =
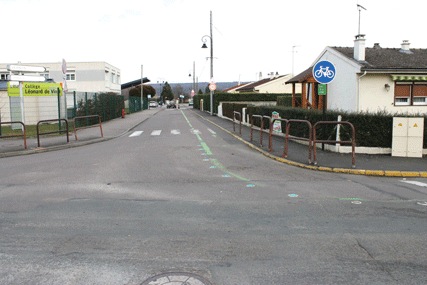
(165, 35)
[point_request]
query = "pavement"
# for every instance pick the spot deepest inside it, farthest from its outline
(298, 155)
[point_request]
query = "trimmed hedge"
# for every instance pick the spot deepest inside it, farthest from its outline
(286, 100)
(372, 129)
(233, 97)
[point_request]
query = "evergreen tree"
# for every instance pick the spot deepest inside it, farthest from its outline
(167, 93)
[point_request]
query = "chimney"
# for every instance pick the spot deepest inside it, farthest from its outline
(260, 75)
(405, 47)
(377, 46)
(276, 75)
(359, 48)
(271, 74)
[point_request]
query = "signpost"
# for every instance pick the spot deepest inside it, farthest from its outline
(321, 89)
(324, 72)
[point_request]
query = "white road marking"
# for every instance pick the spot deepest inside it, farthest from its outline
(175, 132)
(415, 183)
(156, 132)
(135, 134)
(212, 132)
(196, 132)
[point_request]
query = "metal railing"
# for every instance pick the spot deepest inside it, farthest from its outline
(240, 120)
(52, 132)
(262, 126)
(91, 126)
(309, 139)
(24, 135)
(352, 142)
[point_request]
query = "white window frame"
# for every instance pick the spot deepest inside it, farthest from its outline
(419, 103)
(70, 76)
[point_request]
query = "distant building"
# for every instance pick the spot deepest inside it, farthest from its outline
(275, 83)
(126, 87)
(81, 76)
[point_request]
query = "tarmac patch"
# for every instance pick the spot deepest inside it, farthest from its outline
(176, 278)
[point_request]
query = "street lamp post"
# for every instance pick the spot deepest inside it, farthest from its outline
(161, 81)
(205, 46)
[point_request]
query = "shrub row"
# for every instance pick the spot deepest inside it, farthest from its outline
(234, 97)
(372, 129)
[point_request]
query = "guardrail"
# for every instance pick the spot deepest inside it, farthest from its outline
(352, 142)
(240, 120)
(91, 126)
(262, 126)
(53, 132)
(309, 139)
(271, 134)
(24, 135)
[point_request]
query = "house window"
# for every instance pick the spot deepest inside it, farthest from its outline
(45, 75)
(3, 76)
(410, 93)
(107, 75)
(419, 94)
(71, 76)
(112, 77)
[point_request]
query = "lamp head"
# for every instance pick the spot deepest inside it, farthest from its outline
(204, 45)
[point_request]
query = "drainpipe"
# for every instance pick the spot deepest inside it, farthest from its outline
(358, 92)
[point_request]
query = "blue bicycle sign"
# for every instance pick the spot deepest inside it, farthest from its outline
(324, 72)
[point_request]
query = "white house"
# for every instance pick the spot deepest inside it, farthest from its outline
(372, 79)
(275, 83)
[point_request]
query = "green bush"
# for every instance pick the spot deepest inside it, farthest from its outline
(233, 97)
(286, 100)
(372, 129)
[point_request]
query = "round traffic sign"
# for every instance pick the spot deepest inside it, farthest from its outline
(324, 72)
(212, 86)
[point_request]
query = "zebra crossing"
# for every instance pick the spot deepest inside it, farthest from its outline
(156, 133)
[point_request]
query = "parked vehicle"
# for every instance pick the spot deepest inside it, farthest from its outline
(153, 104)
(190, 103)
(171, 104)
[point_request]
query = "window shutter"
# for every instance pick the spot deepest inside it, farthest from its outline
(402, 90)
(420, 91)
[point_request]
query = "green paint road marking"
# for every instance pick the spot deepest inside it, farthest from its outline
(206, 148)
(182, 112)
(222, 168)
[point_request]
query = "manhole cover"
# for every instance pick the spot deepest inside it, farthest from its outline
(178, 278)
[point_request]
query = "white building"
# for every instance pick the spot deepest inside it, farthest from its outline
(371, 79)
(81, 76)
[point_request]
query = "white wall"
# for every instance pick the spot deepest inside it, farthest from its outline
(278, 86)
(374, 97)
(343, 89)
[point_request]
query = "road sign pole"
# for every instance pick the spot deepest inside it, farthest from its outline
(21, 99)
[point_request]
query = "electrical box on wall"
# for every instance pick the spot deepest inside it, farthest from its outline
(408, 136)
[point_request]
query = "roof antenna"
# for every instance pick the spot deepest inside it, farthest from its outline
(360, 7)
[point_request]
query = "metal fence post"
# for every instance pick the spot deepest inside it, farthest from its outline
(59, 108)
(75, 104)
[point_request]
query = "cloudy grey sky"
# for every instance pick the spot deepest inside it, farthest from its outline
(165, 35)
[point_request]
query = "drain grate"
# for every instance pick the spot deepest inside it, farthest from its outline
(176, 278)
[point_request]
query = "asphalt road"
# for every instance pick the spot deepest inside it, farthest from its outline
(179, 195)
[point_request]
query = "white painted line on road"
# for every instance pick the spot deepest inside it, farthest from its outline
(156, 132)
(135, 134)
(415, 183)
(175, 132)
(196, 132)
(212, 132)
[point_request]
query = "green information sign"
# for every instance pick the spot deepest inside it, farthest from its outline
(321, 89)
(35, 89)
